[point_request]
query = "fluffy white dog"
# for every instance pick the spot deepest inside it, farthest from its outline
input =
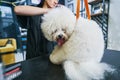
(80, 44)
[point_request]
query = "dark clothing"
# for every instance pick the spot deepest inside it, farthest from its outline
(37, 45)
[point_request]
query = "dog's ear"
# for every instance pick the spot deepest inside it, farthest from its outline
(70, 29)
(46, 31)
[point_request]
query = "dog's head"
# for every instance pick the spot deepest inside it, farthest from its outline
(58, 24)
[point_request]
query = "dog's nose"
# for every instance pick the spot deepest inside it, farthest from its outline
(60, 36)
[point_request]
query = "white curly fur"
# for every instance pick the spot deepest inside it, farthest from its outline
(83, 48)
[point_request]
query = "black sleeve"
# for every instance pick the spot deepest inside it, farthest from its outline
(23, 21)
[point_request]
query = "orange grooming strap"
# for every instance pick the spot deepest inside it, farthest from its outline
(78, 9)
(87, 9)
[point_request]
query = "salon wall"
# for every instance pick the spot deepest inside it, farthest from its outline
(114, 26)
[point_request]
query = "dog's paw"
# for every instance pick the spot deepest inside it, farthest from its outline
(54, 59)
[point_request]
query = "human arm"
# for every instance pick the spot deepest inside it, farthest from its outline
(30, 10)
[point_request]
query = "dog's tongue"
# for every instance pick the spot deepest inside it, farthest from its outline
(60, 42)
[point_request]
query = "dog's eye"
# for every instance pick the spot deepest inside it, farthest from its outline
(63, 30)
(55, 31)
(52, 33)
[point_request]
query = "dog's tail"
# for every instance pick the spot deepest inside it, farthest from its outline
(86, 71)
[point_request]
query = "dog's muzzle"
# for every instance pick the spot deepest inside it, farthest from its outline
(60, 40)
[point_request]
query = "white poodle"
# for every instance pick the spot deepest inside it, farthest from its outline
(80, 44)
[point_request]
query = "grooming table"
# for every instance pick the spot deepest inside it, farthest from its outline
(40, 68)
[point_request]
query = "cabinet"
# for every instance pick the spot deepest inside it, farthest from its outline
(9, 29)
(99, 13)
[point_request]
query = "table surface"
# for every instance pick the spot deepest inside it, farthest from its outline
(41, 68)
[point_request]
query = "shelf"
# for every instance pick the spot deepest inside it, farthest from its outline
(98, 14)
(94, 2)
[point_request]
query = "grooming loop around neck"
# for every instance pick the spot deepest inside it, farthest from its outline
(78, 9)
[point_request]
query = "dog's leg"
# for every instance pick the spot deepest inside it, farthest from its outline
(57, 56)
